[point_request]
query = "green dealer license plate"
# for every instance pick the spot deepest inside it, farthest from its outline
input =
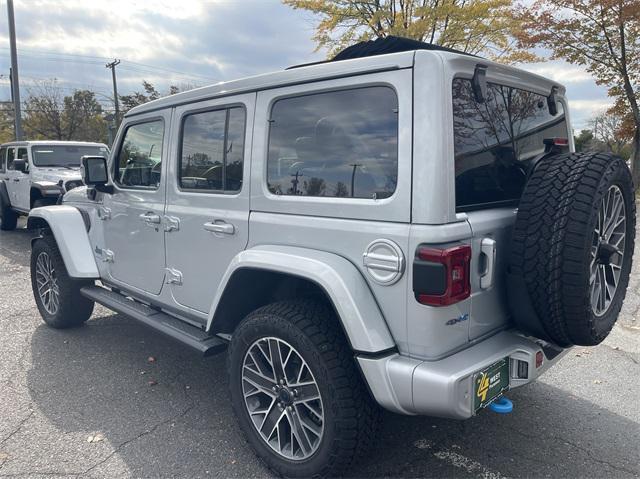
(490, 383)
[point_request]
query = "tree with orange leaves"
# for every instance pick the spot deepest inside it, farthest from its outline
(602, 35)
(473, 26)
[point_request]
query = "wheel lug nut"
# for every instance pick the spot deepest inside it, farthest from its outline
(282, 381)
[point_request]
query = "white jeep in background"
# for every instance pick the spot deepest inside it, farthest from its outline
(37, 173)
(404, 226)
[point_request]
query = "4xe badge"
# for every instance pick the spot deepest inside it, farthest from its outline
(459, 319)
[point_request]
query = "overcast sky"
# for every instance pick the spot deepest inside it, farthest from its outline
(186, 42)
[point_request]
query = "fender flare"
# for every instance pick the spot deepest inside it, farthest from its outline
(47, 188)
(357, 309)
(4, 194)
(68, 228)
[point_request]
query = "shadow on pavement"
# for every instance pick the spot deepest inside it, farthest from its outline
(14, 245)
(97, 379)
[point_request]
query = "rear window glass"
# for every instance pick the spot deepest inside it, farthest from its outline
(213, 150)
(496, 140)
(335, 144)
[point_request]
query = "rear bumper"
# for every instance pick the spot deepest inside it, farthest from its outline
(444, 388)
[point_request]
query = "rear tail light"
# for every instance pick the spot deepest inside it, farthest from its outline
(556, 145)
(539, 359)
(557, 141)
(441, 276)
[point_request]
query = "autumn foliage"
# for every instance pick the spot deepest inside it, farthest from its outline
(603, 36)
(472, 26)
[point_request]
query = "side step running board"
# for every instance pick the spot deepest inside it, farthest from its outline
(179, 330)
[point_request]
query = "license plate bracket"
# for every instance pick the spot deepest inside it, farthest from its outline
(490, 383)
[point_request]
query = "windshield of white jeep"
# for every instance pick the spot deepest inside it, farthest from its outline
(64, 155)
(495, 142)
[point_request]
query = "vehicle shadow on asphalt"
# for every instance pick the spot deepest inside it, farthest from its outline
(12, 245)
(172, 417)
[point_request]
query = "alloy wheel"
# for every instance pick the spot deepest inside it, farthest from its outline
(47, 282)
(282, 398)
(607, 250)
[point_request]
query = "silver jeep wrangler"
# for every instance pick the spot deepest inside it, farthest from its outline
(403, 226)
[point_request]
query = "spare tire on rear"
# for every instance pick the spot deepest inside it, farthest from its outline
(571, 249)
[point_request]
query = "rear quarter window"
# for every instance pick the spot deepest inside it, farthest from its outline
(495, 141)
(335, 144)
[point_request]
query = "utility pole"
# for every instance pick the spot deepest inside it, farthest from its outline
(112, 65)
(15, 84)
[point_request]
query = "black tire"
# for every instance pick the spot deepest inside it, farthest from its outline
(8, 217)
(73, 308)
(553, 240)
(351, 417)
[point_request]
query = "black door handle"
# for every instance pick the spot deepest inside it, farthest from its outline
(16, 179)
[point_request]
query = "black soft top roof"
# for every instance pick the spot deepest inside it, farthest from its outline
(382, 46)
(391, 44)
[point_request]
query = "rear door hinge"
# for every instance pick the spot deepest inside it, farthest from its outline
(104, 213)
(171, 223)
(173, 276)
(106, 255)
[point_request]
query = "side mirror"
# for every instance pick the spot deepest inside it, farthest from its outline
(20, 164)
(94, 173)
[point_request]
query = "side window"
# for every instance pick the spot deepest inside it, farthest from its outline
(11, 154)
(212, 150)
(335, 144)
(140, 157)
(3, 157)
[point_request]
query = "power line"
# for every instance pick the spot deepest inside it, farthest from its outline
(95, 61)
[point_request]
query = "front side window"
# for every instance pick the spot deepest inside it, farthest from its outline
(64, 155)
(213, 150)
(3, 157)
(11, 155)
(495, 141)
(335, 144)
(139, 161)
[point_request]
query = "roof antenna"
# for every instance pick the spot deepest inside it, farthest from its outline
(479, 83)
(551, 101)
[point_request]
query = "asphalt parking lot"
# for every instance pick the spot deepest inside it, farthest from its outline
(89, 402)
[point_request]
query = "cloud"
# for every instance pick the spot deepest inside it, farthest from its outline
(190, 42)
(594, 106)
(561, 72)
(166, 42)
